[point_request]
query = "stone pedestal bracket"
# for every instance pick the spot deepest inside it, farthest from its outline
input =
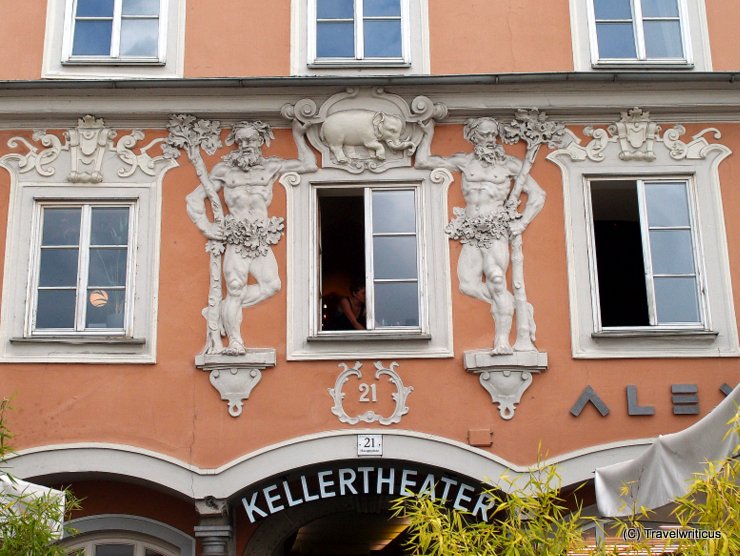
(505, 377)
(235, 376)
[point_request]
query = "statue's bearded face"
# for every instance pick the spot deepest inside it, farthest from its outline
(249, 143)
(485, 140)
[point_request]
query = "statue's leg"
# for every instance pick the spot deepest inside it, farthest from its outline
(338, 153)
(264, 270)
(470, 272)
(236, 271)
(377, 147)
(495, 264)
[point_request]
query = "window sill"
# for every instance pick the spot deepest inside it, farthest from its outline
(360, 336)
(642, 65)
(113, 62)
(79, 340)
(339, 63)
(656, 333)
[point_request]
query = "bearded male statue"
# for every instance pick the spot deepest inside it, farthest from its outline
(247, 232)
(489, 223)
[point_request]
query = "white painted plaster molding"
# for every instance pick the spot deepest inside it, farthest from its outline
(89, 459)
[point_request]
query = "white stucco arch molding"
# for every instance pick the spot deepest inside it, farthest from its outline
(225, 481)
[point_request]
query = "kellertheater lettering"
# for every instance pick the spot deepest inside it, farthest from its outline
(353, 481)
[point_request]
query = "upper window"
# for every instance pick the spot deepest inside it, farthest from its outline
(369, 249)
(640, 34)
(81, 274)
(648, 263)
(360, 30)
(645, 255)
(114, 38)
(110, 30)
(382, 36)
(639, 30)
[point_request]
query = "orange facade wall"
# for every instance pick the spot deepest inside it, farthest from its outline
(723, 19)
(22, 32)
(481, 36)
(237, 38)
(171, 408)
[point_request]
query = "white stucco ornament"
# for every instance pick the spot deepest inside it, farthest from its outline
(365, 129)
(367, 394)
(490, 226)
(636, 137)
(86, 154)
(239, 241)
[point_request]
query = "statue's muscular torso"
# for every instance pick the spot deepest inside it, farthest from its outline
(248, 193)
(485, 187)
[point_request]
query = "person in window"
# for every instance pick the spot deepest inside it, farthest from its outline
(350, 314)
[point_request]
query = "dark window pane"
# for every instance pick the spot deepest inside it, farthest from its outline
(335, 9)
(659, 8)
(394, 211)
(342, 241)
(92, 38)
(107, 267)
(383, 39)
(672, 252)
(612, 9)
(619, 256)
(676, 300)
(139, 37)
(95, 8)
(394, 257)
(105, 308)
(61, 226)
(109, 226)
(335, 40)
(616, 40)
(114, 550)
(56, 309)
(667, 204)
(663, 39)
(396, 304)
(375, 8)
(58, 268)
(140, 7)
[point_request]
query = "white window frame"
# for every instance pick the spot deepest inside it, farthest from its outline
(137, 343)
(82, 271)
(373, 330)
(701, 326)
(359, 34)
(434, 337)
(414, 43)
(60, 63)
(694, 36)
(719, 335)
(126, 528)
(114, 57)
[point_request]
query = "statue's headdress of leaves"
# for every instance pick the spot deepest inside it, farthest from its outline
(472, 124)
(263, 129)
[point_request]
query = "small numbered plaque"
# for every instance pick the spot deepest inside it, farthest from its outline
(369, 444)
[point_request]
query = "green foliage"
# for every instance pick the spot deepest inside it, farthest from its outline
(28, 523)
(532, 520)
(713, 504)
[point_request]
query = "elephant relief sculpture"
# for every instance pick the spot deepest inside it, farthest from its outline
(357, 127)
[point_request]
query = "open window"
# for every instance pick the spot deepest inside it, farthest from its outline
(645, 255)
(369, 237)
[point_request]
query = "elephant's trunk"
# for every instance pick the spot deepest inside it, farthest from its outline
(398, 145)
